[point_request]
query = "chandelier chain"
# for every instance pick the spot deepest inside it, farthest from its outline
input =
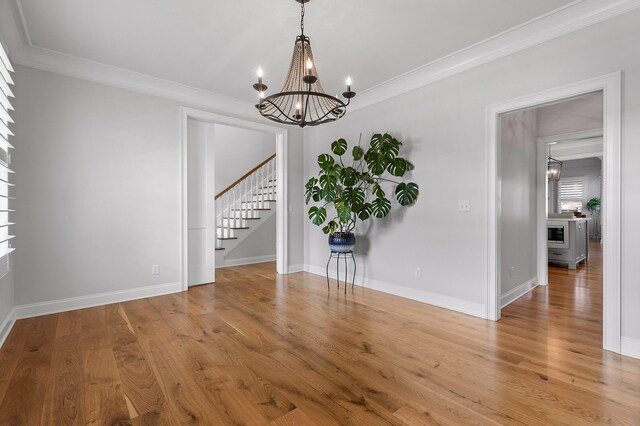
(302, 17)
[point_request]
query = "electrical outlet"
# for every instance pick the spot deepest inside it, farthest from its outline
(464, 206)
(418, 272)
(155, 270)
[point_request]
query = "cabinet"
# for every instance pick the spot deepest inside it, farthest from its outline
(576, 248)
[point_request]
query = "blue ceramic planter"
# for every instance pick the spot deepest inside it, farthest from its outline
(342, 242)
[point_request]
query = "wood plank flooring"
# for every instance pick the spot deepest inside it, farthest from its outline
(262, 349)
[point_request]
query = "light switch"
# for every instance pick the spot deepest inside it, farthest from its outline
(464, 206)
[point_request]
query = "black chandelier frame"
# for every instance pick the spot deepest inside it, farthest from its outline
(302, 107)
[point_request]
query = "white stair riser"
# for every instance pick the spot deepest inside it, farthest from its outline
(254, 205)
(234, 223)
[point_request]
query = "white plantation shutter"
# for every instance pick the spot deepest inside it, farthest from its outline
(5, 145)
(571, 193)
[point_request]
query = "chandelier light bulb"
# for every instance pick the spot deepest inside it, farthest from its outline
(261, 95)
(309, 64)
(260, 72)
(298, 106)
(348, 81)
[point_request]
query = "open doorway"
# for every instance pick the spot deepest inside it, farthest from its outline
(237, 167)
(234, 194)
(518, 249)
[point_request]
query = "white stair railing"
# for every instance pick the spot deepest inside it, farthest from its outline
(240, 202)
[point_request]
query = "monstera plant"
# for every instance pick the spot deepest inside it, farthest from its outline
(358, 190)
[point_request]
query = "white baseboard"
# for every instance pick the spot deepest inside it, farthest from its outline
(518, 292)
(6, 325)
(249, 260)
(295, 268)
(630, 347)
(451, 303)
(62, 305)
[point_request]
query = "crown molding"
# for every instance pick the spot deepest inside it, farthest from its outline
(573, 17)
(563, 21)
(72, 66)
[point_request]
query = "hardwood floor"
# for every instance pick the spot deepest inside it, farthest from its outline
(259, 349)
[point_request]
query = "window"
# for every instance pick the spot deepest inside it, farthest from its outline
(571, 194)
(5, 157)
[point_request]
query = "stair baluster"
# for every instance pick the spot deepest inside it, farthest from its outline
(228, 195)
(273, 179)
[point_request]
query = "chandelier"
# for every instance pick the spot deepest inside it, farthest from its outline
(554, 168)
(302, 101)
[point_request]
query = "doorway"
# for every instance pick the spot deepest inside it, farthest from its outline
(199, 237)
(610, 87)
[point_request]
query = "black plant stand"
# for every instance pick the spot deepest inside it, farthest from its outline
(336, 255)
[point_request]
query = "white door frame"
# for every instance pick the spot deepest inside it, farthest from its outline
(282, 258)
(610, 85)
(542, 181)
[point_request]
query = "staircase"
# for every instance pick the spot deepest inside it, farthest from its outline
(244, 206)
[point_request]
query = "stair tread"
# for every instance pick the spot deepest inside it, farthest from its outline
(241, 210)
(232, 228)
(227, 238)
(219, 248)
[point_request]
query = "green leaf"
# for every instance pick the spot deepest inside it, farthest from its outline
(380, 207)
(410, 165)
(407, 193)
(330, 228)
(328, 182)
(376, 163)
(357, 153)
(377, 190)
(390, 147)
(365, 211)
(316, 194)
(349, 176)
(354, 197)
(325, 161)
(344, 213)
(339, 147)
(317, 215)
(378, 140)
(309, 188)
(328, 196)
(334, 171)
(397, 167)
(310, 184)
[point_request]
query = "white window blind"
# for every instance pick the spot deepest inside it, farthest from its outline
(5, 158)
(571, 193)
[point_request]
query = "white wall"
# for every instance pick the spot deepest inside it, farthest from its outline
(518, 148)
(260, 244)
(583, 113)
(237, 151)
(98, 188)
(444, 127)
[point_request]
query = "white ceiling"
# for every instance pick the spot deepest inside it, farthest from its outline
(217, 45)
